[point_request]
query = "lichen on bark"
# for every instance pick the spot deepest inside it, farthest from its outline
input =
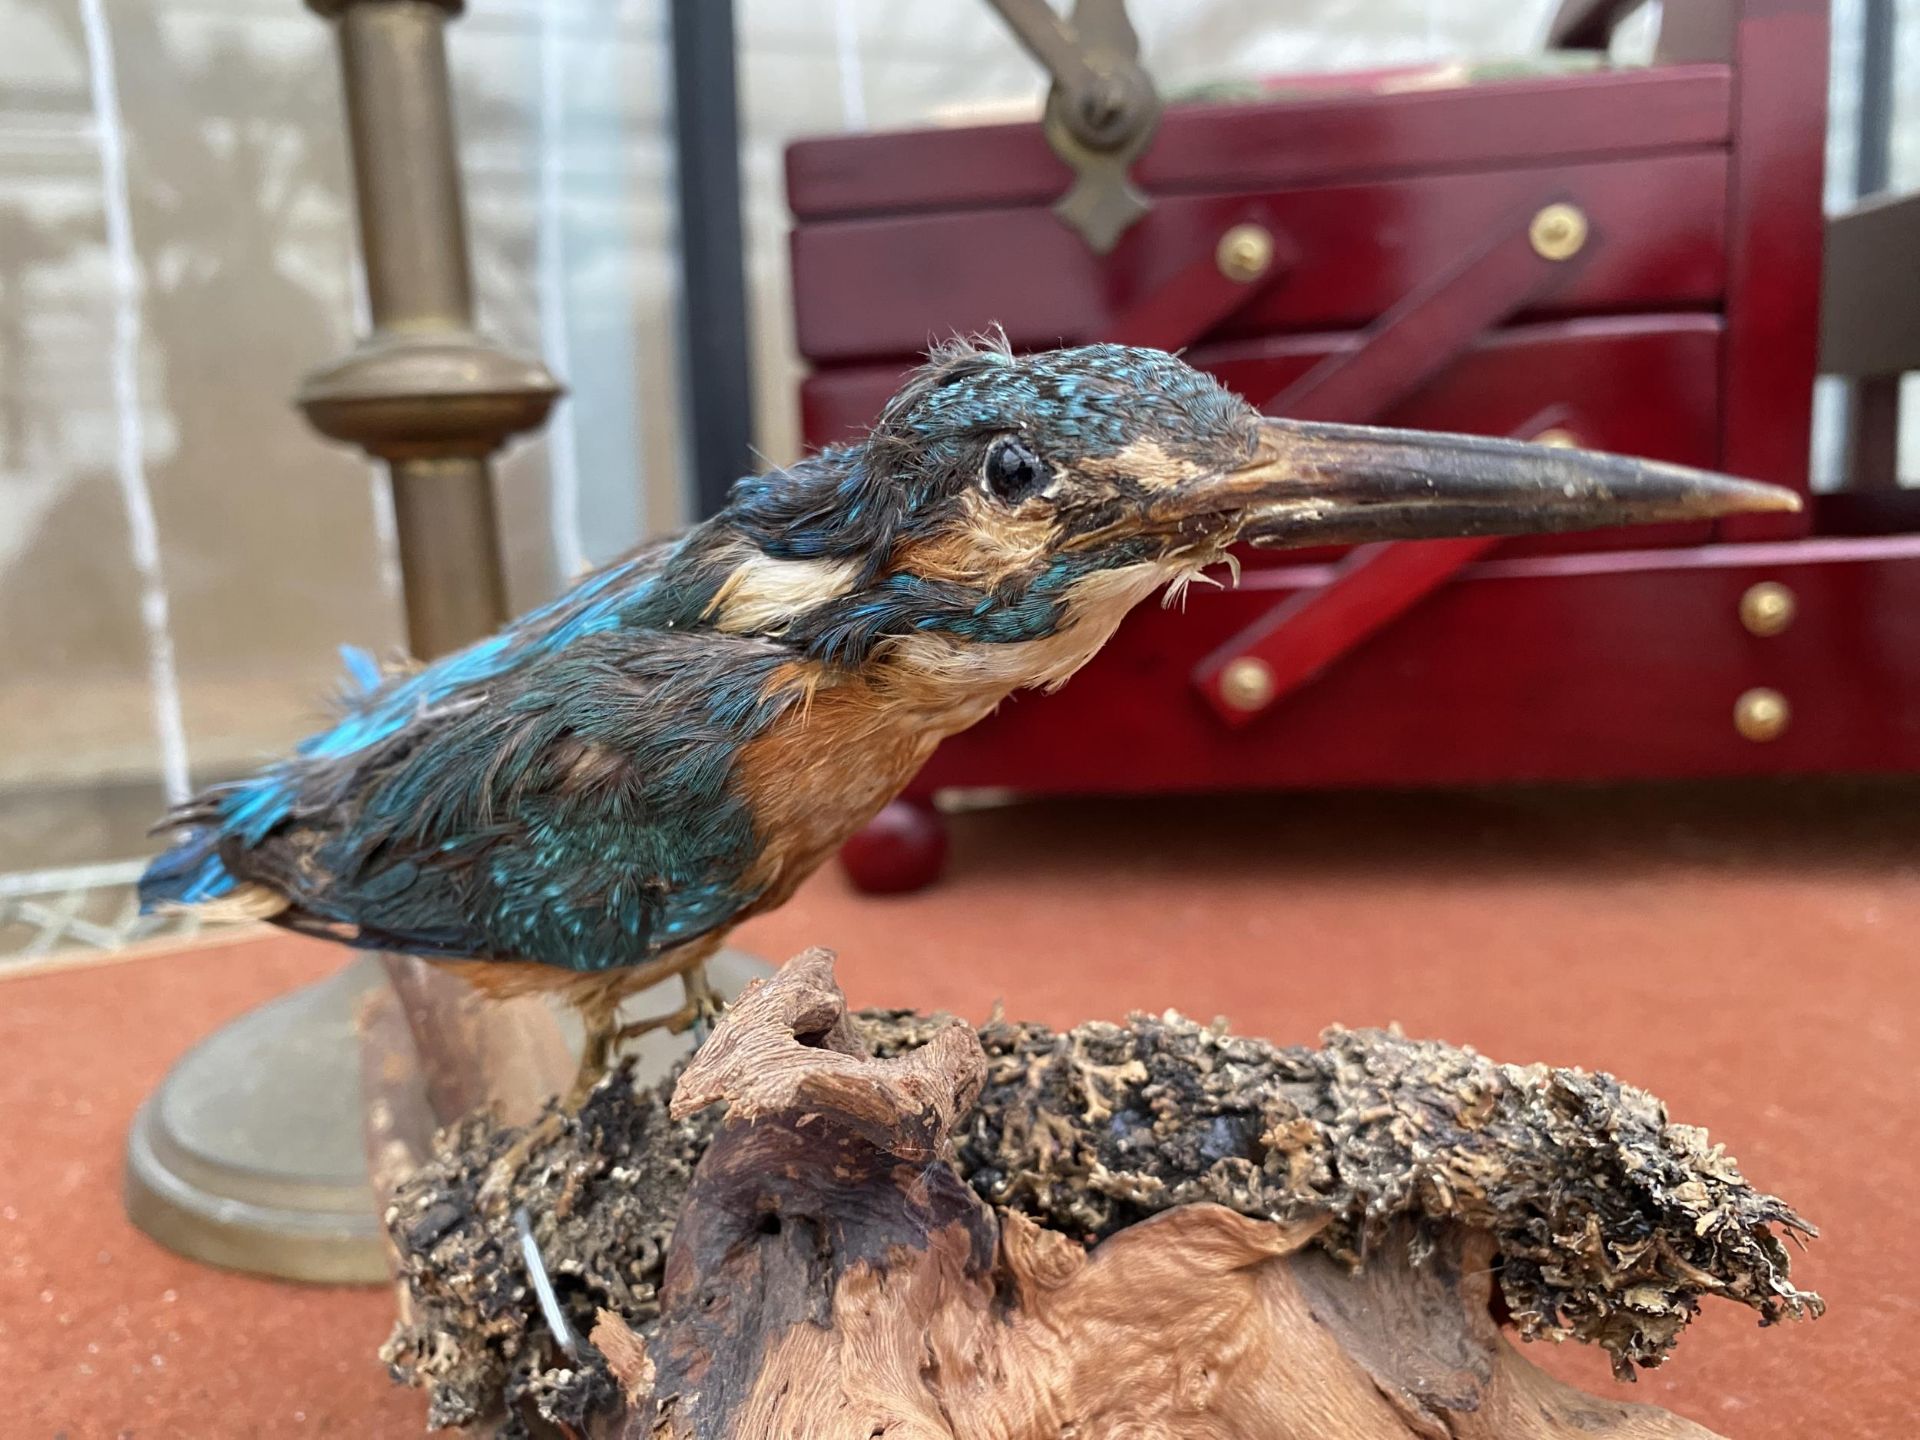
(1610, 1222)
(602, 1195)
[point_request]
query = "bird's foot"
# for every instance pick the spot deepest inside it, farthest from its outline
(705, 1001)
(676, 1023)
(497, 1189)
(702, 1008)
(596, 1060)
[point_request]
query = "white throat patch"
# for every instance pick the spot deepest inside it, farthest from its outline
(969, 679)
(763, 596)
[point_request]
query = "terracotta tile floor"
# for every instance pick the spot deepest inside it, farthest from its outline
(1748, 953)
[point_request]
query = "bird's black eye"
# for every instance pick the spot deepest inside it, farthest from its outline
(1012, 471)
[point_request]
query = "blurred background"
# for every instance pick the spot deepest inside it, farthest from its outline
(180, 557)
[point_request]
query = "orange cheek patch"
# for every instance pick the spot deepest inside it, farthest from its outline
(989, 544)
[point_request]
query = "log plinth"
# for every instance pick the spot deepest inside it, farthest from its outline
(845, 1228)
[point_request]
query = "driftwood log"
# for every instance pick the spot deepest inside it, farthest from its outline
(898, 1226)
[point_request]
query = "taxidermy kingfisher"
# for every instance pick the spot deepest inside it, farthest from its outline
(589, 800)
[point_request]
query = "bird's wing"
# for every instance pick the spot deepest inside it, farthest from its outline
(575, 808)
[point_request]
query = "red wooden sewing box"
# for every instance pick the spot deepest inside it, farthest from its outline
(1627, 259)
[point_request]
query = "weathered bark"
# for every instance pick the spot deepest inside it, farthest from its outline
(486, 1070)
(397, 1123)
(1291, 1242)
(475, 1051)
(829, 1165)
(1197, 1323)
(834, 1280)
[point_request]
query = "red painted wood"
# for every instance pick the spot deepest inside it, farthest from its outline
(1430, 327)
(1777, 225)
(1688, 338)
(1200, 296)
(1398, 356)
(1636, 385)
(1360, 248)
(1369, 589)
(1573, 667)
(1311, 629)
(1277, 143)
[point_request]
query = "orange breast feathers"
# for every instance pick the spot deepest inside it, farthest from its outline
(824, 769)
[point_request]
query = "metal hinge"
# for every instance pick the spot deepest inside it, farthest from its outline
(1101, 111)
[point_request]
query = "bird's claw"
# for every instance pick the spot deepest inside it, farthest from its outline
(703, 1006)
(677, 1022)
(705, 1003)
(497, 1188)
(605, 1041)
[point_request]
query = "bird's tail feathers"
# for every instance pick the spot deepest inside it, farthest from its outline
(241, 905)
(191, 876)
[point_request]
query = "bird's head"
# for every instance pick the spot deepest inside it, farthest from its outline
(1004, 513)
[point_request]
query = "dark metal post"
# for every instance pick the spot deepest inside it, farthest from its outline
(716, 378)
(1873, 406)
(1872, 164)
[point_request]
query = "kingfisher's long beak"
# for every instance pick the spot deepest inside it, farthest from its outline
(1316, 484)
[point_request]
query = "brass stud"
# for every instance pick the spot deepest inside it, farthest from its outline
(1559, 437)
(1244, 253)
(1761, 714)
(1767, 608)
(1247, 683)
(1558, 231)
